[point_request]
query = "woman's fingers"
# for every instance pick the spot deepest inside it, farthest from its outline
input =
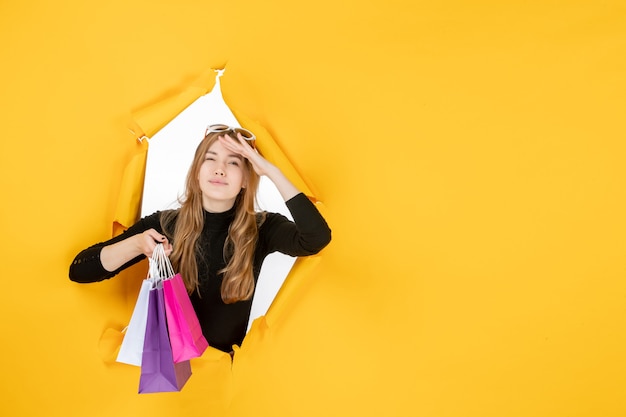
(235, 146)
(241, 147)
(244, 142)
(150, 238)
(167, 246)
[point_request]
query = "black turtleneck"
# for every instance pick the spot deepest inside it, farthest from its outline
(222, 324)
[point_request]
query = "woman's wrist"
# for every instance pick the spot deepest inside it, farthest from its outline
(285, 187)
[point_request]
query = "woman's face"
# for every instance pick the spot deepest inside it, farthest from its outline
(221, 178)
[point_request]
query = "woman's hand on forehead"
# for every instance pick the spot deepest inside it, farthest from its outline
(241, 147)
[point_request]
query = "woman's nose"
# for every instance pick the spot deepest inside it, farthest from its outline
(219, 171)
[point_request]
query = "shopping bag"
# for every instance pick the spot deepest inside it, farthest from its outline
(132, 345)
(159, 373)
(182, 322)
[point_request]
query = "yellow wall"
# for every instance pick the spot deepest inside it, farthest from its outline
(469, 157)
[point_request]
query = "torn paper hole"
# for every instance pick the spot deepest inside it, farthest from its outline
(170, 153)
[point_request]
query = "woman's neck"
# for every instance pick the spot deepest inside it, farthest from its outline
(213, 206)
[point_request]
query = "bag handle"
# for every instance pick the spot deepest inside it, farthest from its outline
(160, 267)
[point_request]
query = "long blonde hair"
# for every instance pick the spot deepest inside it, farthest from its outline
(238, 279)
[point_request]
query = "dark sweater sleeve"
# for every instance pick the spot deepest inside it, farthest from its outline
(306, 235)
(87, 267)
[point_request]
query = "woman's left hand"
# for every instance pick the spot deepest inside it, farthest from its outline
(260, 165)
(241, 147)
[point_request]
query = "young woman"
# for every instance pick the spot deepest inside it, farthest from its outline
(215, 239)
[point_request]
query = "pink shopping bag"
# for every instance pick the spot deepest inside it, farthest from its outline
(184, 328)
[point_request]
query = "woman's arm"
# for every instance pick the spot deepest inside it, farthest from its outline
(285, 187)
(117, 254)
(308, 233)
(106, 259)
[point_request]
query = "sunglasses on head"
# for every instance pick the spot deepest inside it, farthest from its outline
(220, 128)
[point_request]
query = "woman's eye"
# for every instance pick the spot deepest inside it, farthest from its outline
(235, 163)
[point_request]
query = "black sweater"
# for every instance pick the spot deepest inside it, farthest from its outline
(222, 324)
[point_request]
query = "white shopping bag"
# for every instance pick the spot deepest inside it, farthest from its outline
(131, 350)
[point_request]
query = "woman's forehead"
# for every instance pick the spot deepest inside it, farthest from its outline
(217, 148)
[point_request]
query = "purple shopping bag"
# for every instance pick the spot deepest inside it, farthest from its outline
(182, 322)
(159, 373)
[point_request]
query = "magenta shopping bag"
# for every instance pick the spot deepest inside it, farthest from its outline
(159, 373)
(182, 322)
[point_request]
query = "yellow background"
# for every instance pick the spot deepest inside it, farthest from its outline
(469, 157)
